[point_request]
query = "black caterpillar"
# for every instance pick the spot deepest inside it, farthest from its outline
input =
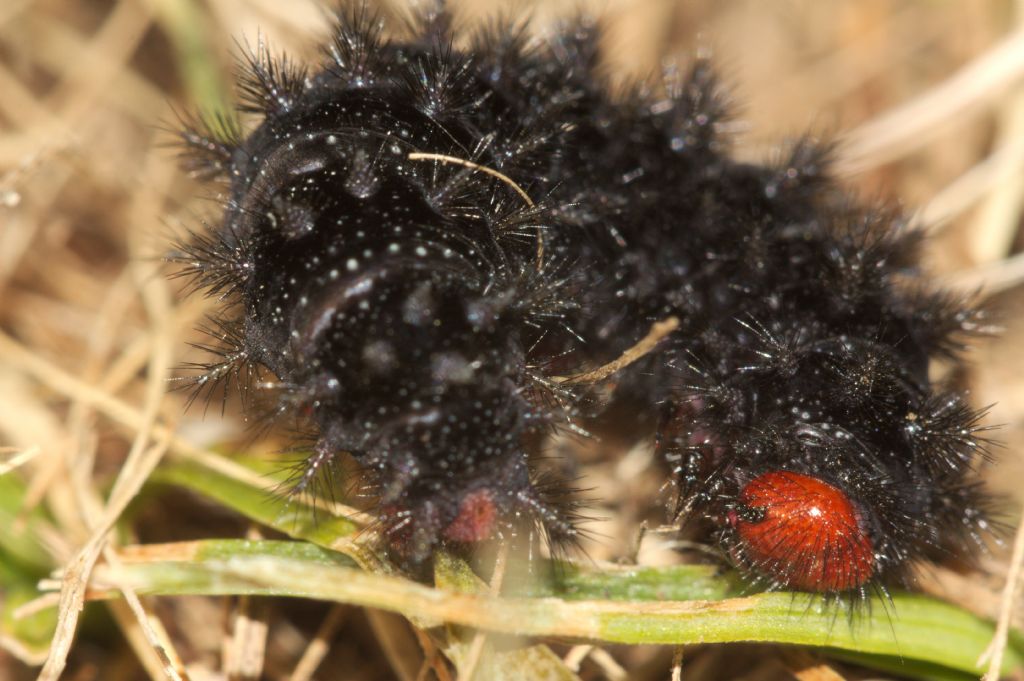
(420, 239)
(404, 303)
(796, 408)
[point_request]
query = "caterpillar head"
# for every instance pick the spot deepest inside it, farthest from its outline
(808, 534)
(828, 468)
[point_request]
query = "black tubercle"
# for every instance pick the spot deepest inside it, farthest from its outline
(419, 239)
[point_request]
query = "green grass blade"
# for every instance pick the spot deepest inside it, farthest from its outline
(573, 582)
(186, 23)
(911, 628)
(681, 604)
(20, 538)
(249, 495)
(23, 561)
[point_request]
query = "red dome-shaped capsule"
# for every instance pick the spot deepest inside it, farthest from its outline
(803, 532)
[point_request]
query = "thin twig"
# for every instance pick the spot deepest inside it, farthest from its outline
(444, 158)
(994, 652)
(245, 653)
(432, 656)
(609, 666)
(574, 658)
(659, 330)
(677, 664)
(19, 459)
(317, 649)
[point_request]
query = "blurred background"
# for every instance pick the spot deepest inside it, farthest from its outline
(924, 98)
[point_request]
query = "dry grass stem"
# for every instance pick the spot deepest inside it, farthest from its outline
(18, 459)
(476, 647)
(1004, 166)
(612, 670)
(659, 331)
(317, 649)
(677, 664)
(574, 658)
(1011, 595)
(915, 123)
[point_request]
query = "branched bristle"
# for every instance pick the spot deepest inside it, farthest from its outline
(947, 433)
(313, 476)
(556, 509)
(230, 368)
(440, 82)
(216, 262)
(357, 45)
(208, 143)
(269, 85)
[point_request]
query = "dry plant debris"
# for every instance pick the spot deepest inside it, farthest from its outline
(95, 454)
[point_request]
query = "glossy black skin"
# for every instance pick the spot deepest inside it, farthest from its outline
(405, 307)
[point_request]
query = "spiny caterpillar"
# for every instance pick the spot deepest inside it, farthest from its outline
(420, 240)
(399, 293)
(796, 408)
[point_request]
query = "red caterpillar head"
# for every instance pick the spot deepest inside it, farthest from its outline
(806, 532)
